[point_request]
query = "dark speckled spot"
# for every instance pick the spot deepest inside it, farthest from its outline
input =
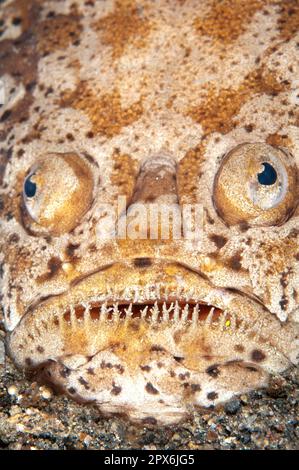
(235, 262)
(212, 396)
(151, 389)
(157, 348)
(142, 262)
(83, 382)
(178, 358)
(219, 240)
(239, 348)
(184, 376)
(65, 372)
(115, 389)
(213, 370)
(71, 248)
(149, 420)
(284, 303)
(195, 388)
(54, 265)
(257, 355)
(244, 226)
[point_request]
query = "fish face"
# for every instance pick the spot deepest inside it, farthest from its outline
(149, 198)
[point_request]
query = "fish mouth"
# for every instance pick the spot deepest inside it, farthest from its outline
(121, 336)
(167, 295)
(150, 342)
(153, 312)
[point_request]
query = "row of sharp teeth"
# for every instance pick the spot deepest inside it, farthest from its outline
(154, 313)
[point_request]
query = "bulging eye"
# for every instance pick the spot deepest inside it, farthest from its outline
(256, 184)
(58, 191)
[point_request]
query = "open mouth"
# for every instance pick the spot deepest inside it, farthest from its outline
(153, 312)
(130, 311)
(127, 338)
(119, 305)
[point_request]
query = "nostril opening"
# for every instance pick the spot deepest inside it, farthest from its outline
(157, 177)
(159, 161)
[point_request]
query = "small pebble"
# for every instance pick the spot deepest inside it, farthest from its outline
(46, 392)
(20, 427)
(232, 407)
(12, 390)
(211, 435)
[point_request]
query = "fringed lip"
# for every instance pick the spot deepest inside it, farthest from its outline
(99, 311)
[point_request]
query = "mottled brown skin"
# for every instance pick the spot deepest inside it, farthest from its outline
(152, 101)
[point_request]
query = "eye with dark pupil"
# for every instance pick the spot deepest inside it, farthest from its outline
(268, 176)
(30, 187)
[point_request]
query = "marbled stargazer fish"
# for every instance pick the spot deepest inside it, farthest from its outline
(185, 102)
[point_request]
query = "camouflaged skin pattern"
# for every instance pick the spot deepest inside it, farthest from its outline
(146, 100)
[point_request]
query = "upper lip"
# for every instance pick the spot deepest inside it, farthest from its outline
(131, 293)
(146, 294)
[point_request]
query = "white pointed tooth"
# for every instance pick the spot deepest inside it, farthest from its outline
(185, 313)
(136, 294)
(195, 314)
(104, 311)
(176, 313)
(109, 312)
(129, 311)
(154, 291)
(127, 293)
(155, 312)
(165, 313)
(144, 312)
(209, 318)
(86, 314)
(171, 307)
(115, 312)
